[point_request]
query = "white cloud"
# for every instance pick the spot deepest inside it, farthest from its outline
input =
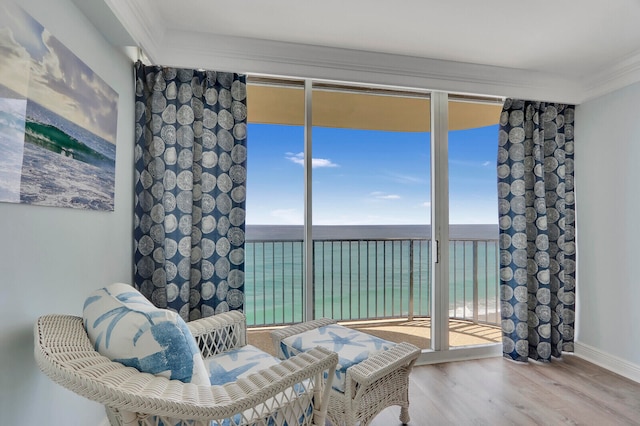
(63, 83)
(322, 162)
(315, 162)
(470, 163)
(382, 196)
(406, 179)
(295, 158)
(34, 63)
(15, 63)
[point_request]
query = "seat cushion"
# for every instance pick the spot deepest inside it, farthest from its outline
(125, 327)
(237, 363)
(241, 362)
(352, 347)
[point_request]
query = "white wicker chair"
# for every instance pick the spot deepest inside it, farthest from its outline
(65, 354)
(374, 384)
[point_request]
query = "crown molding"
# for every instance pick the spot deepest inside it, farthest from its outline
(266, 57)
(255, 56)
(621, 74)
(143, 22)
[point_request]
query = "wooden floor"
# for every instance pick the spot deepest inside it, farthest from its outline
(497, 391)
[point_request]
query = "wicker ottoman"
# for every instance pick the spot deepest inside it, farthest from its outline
(372, 373)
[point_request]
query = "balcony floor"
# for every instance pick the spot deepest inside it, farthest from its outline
(417, 332)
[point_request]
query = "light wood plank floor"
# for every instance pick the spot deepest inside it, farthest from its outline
(497, 391)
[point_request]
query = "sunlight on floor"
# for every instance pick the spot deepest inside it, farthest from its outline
(417, 332)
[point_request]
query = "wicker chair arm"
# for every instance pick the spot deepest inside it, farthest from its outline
(278, 335)
(219, 333)
(382, 363)
(65, 354)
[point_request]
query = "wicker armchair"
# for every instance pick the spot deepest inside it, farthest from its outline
(292, 392)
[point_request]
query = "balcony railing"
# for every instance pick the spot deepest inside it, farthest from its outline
(368, 272)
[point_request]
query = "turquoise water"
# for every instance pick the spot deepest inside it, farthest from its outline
(365, 279)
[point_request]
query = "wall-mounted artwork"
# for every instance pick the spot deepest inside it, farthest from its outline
(58, 121)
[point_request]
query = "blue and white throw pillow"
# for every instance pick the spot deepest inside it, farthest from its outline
(125, 327)
(352, 347)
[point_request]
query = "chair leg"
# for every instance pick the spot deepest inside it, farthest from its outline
(404, 415)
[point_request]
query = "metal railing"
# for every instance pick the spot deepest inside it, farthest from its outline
(377, 277)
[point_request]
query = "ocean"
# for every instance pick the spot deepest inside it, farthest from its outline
(48, 160)
(368, 273)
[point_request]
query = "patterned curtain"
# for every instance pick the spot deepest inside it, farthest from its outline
(537, 229)
(190, 160)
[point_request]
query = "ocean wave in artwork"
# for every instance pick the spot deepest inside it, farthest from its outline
(52, 179)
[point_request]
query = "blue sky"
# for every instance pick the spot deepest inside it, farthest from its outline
(367, 177)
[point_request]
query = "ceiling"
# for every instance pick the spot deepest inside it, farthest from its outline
(569, 37)
(586, 46)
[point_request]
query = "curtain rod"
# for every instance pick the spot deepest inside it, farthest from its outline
(142, 56)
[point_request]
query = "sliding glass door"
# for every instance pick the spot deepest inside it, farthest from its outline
(474, 315)
(373, 206)
(274, 278)
(371, 202)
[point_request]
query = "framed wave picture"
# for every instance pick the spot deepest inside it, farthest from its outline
(58, 121)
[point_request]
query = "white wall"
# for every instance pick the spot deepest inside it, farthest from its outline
(52, 258)
(607, 180)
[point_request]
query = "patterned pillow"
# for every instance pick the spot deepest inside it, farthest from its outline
(352, 347)
(125, 327)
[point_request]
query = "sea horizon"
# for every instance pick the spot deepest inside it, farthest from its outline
(262, 232)
(365, 272)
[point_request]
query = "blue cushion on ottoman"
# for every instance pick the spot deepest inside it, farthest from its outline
(352, 347)
(125, 327)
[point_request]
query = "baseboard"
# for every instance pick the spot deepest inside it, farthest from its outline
(610, 362)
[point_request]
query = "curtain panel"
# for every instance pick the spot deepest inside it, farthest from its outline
(190, 161)
(537, 229)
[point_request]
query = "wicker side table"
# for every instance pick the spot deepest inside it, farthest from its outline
(365, 384)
